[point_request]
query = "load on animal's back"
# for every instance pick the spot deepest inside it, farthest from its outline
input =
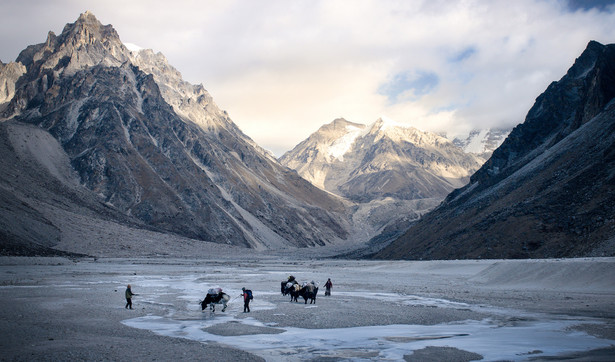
(215, 296)
(292, 287)
(287, 284)
(307, 290)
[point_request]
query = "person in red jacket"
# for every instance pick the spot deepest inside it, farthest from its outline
(247, 297)
(328, 286)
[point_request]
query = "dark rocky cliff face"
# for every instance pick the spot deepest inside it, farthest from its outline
(157, 165)
(566, 105)
(548, 191)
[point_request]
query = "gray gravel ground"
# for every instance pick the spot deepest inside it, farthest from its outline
(44, 317)
(59, 309)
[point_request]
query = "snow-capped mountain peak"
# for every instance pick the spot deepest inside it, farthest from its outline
(399, 132)
(385, 122)
(341, 151)
(482, 142)
(393, 172)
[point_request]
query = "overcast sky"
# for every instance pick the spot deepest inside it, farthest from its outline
(284, 68)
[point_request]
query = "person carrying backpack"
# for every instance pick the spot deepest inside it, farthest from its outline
(247, 297)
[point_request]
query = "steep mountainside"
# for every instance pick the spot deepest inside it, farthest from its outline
(9, 73)
(548, 191)
(153, 149)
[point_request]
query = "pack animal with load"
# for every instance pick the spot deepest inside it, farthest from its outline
(215, 296)
(308, 291)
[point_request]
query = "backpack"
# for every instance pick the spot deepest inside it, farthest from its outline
(249, 294)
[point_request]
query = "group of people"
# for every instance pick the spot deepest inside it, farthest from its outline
(245, 293)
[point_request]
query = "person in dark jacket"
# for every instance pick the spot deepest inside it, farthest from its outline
(247, 296)
(328, 286)
(129, 295)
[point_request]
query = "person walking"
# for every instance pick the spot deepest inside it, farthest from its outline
(328, 286)
(129, 295)
(247, 297)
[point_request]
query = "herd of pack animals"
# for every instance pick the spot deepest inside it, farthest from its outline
(307, 291)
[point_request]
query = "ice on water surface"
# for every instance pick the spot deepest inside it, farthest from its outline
(519, 340)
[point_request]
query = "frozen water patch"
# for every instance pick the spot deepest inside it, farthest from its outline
(510, 339)
(488, 338)
(406, 299)
(508, 335)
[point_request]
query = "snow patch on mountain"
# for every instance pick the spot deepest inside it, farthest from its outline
(73, 117)
(342, 145)
(482, 142)
(133, 47)
(477, 144)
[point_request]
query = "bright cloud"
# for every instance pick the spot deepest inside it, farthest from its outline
(283, 68)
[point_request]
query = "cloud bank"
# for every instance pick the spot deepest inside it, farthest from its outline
(284, 68)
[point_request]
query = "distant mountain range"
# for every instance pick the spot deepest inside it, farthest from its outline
(384, 159)
(392, 173)
(139, 146)
(107, 149)
(547, 191)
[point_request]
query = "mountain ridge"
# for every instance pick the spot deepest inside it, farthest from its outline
(391, 173)
(158, 150)
(342, 151)
(547, 191)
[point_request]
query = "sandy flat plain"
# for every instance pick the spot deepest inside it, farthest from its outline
(73, 309)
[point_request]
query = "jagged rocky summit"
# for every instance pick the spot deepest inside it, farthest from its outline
(91, 129)
(547, 191)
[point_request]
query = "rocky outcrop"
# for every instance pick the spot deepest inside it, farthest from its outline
(9, 73)
(547, 191)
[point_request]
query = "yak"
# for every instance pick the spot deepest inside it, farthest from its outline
(213, 299)
(309, 292)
